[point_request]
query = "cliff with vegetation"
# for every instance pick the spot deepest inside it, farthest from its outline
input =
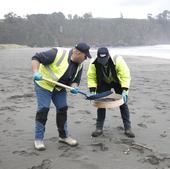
(57, 30)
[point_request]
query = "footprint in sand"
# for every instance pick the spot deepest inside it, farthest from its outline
(146, 116)
(19, 131)
(27, 95)
(71, 155)
(152, 159)
(164, 112)
(87, 112)
(77, 122)
(8, 133)
(46, 164)
(70, 107)
(99, 147)
(53, 139)
(9, 120)
(7, 108)
(133, 112)
(151, 121)
(164, 134)
(142, 125)
(70, 152)
(120, 128)
(25, 153)
(159, 107)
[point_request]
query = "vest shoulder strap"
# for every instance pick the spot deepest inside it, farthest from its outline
(53, 75)
(61, 58)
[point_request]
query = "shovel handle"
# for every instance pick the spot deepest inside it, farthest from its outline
(93, 97)
(58, 83)
(63, 85)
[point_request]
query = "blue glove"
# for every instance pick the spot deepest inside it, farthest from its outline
(37, 76)
(125, 96)
(75, 90)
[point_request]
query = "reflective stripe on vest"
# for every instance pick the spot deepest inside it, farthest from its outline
(53, 75)
(61, 59)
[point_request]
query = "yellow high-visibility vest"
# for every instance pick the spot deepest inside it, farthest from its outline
(55, 70)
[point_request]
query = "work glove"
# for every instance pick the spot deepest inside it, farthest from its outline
(125, 96)
(37, 76)
(75, 90)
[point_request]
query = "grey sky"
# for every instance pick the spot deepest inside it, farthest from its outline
(99, 8)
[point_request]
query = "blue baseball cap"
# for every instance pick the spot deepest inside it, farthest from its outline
(102, 55)
(84, 48)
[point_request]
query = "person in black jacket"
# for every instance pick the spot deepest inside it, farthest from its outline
(105, 72)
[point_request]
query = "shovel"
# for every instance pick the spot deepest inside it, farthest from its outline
(88, 97)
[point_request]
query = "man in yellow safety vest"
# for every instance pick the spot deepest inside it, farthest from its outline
(64, 66)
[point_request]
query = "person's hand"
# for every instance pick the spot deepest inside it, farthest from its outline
(125, 96)
(75, 90)
(37, 76)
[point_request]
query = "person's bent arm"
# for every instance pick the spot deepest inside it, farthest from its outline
(35, 65)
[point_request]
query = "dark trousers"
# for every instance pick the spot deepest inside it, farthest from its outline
(101, 112)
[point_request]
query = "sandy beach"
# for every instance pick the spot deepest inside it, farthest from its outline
(148, 103)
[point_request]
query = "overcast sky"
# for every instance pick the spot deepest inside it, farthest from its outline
(98, 8)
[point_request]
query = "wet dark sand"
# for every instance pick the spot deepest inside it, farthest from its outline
(148, 102)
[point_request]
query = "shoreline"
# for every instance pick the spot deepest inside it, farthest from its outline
(125, 52)
(12, 46)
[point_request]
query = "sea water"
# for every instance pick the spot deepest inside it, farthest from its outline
(158, 51)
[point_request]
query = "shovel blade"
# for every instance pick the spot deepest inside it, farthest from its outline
(99, 95)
